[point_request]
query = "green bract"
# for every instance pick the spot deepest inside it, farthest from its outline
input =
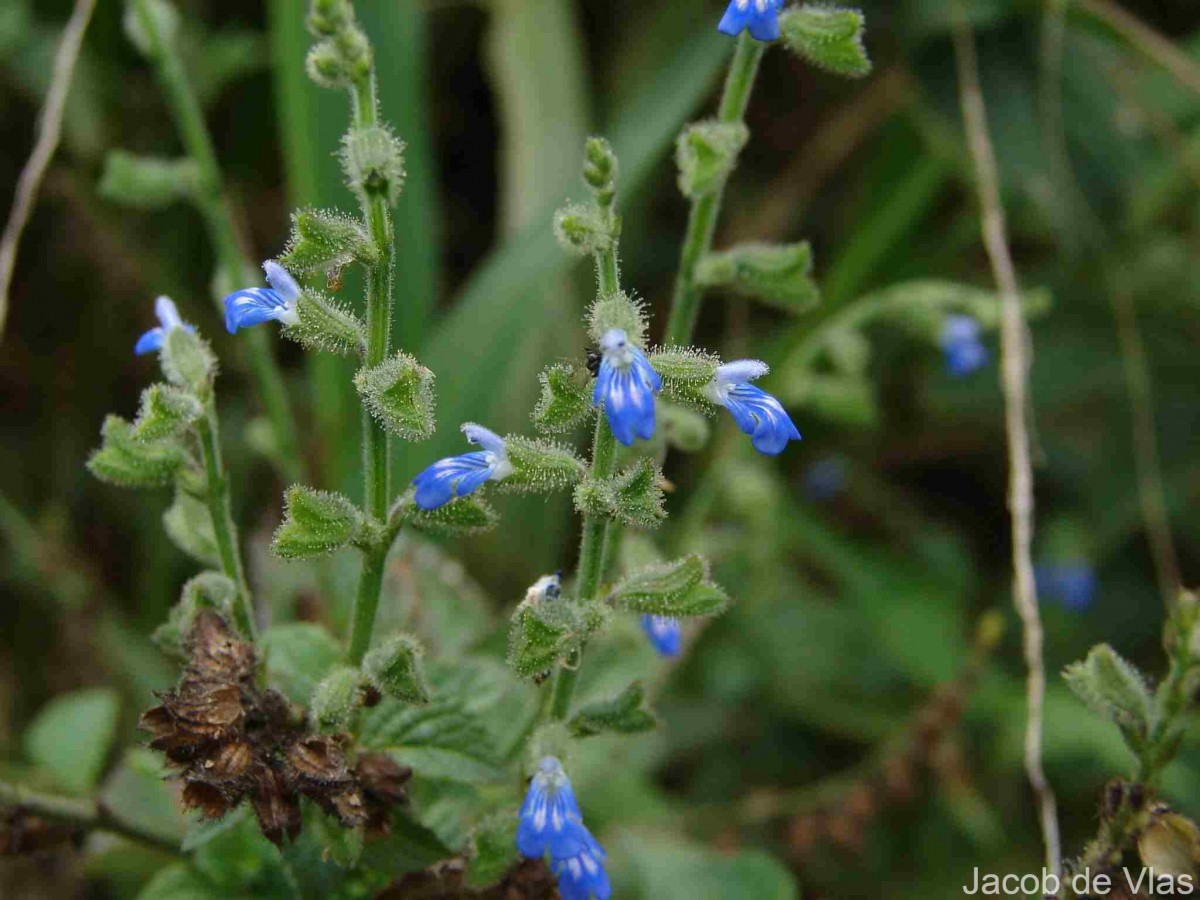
(399, 393)
(1113, 688)
(126, 461)
(540, 465)
(566, 399)
(580, 228)
(325, 324)
(188, 523)
(542, 633)
(618, 310)
(315, 523)
(827, 37)
(395, 669)
(706, 153)
(188, 361)
(373, 159)
(326, 241)
(147, 182)
(165, 411)
(465, 515)
(336, 698)
(681, 588)
(633, 496)
(777, 274)
(627, 713)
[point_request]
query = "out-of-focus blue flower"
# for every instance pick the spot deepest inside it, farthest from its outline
(582, 876)
(756, 412)
(168, 318)
(962, 347)
(664, 633)
(551, 823)
(1072, 584)
(253, 306)
(825, 479)
(458, 476)
(760, 16)
(626, 385)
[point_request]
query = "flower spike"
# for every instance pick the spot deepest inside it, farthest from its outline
(582, 876)
(760, 16)
(458, 476)
(626, 385)
(664, 633)
(756, 412)
(168, 317)
(252, 306)
(962, 347)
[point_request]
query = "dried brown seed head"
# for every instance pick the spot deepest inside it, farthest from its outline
(209, 799)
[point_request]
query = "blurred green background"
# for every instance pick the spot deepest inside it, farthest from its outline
(838, 718)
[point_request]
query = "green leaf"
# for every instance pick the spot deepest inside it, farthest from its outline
(566, 399)
(493, 848)
(315, 523)
(399, 394)
(706, 153)
(438, 600)
(188, 524)
(633, 496)
(138, 792)
(395, 669)
(324, 325)
(408, 847)
(180, 882)
(147, 182)
(664, 867)
(127, 462)
(240, 860)
(829, 38)
(464, 515)
(299, 655)
(327, 241)
(1113, 687)
(439, 740)
(780, 275)
(627, 713)
(201, 831)
(541, 466)
(680, 589)
(72, 735)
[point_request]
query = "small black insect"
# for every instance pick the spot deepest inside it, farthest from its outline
(593, 360)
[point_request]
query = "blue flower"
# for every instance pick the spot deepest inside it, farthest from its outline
(458, 476)
(550, 822)
(168, 317)
(253, 306)
(825, 479)
(1072, 584)
(760, 16)
(960, 342)
(756, 412)
(626, 385)
(664, 633)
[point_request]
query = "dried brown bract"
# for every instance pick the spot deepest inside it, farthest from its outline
(235, 742)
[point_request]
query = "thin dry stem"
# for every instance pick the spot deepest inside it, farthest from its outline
(1146, 40)
(1015, 381)
(49, 131)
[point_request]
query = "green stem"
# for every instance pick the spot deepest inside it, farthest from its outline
(376, 450)
(211, 201)
(217, 499)
(702, 220)
(88, 814)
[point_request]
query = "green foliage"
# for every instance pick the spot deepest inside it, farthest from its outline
(151, 25)
(706, 153)
(325, 241)
(627, 713)
(681, 588)
(147, 182)
(315, 523)
(780, 275)
(373, 160)
(566, 399)
(492, 848)
(443, 739)
(664, 867)
(188, 524)
(299, 655)
(618, 310)
(325, 325)
(399, 394)
(829, 38)
(335, 700)
(1113, 688)
(122, 460)
(165, 411)
(540, 466)
(71, 736)
(208, 590)
(634, 496)
(394, 668)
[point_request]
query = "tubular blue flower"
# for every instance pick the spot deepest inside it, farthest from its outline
(582, 876)
(168, 317)
(550, 820)
(760, 16)
(664, 633)
(252, 306)
(626, 385)
(962, 347)
(756, 412)
(458, 476)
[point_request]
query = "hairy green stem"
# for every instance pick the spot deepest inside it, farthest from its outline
(702, 220)
(211, 201)
(376, 451)
(217, 499)
(87, 814)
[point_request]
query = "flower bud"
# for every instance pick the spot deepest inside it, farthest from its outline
(580, 229)
(600, 169)
(399, 394)
(327, 17)
(373, 160)
(705, 154)
(314, 523)
(395, 669)
(188, 362)
(1113, 688)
